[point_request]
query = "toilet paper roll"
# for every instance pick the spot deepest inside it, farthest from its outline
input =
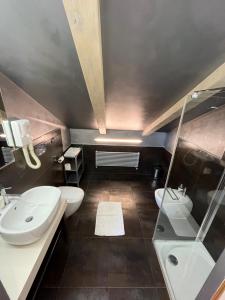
(68, 166)
(60, 159)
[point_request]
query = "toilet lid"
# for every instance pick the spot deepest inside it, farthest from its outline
(71, 194)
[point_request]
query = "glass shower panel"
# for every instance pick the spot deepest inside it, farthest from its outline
(192, 200)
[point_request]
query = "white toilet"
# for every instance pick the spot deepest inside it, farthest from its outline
(74, 197)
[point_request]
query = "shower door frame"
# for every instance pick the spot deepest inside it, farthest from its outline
(217, 275)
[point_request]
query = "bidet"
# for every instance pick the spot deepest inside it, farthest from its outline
(174, 204)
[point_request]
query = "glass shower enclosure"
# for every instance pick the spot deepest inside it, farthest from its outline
(189, 235)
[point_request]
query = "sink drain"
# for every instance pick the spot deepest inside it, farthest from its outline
(29, 219)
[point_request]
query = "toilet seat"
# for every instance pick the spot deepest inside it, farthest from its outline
(73, 196)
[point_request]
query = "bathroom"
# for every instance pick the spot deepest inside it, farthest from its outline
(112, 181)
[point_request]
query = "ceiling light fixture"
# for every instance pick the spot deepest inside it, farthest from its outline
(123, 141)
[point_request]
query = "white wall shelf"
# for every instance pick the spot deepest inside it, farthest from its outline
(74, 158)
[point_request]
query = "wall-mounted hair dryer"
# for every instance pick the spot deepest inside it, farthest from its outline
(18, 134)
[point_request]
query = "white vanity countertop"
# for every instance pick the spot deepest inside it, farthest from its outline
(20, 264)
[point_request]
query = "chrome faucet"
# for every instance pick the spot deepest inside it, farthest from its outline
(182, 190)
(4, 194)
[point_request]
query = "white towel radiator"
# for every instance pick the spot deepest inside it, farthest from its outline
(117, 159)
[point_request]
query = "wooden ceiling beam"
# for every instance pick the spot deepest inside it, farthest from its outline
(85, 25)
(215, 80)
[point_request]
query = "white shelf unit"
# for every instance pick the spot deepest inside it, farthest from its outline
(75, 157)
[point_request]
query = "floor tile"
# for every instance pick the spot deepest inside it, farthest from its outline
(102, 294)
(146, 208)
(99, 185)
(123, 186)
(129, 205)
(145, 197)
(87, 264)
(148, 221)
(142, 185)
(108, 262)
(102, 268)
(83, 294)
(133, 294)
(83, 225)
(46, 294)
(162, 294)
(88, 207)
(120, 195)
(158, 280)
(132, 223)
(95, 195)
(84, 184)
(129, 264)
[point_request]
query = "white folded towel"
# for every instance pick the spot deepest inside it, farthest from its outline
(109, 219)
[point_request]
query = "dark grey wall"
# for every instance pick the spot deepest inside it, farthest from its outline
(20, 177)
(154, 52)
(200, 172)
(207, 132)
(37, 52)
(150, 157)
(45, 128)
(18, 104)
(199, 165)
(87, 137)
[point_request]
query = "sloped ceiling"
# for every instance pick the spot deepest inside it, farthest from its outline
(154, 51)
(38, 54)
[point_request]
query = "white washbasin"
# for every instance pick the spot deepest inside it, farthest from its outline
(26, 219)
(174, 204)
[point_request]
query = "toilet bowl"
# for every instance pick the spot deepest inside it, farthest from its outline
(73, 196)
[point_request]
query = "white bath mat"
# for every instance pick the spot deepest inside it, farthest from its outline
(109, 219)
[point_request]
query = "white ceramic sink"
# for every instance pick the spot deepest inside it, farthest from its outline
(26, 219)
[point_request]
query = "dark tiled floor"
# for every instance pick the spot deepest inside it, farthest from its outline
(109, 268)
(103, 293)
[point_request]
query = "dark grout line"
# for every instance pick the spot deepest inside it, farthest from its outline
(111, 237)
(106, 287)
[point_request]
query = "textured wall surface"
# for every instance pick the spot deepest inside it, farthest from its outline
(198, 166)
(200, 172)
(38, 54)
(206, 131)
(20, 177)
(18, 104)
(86, 137)
(150, 157)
